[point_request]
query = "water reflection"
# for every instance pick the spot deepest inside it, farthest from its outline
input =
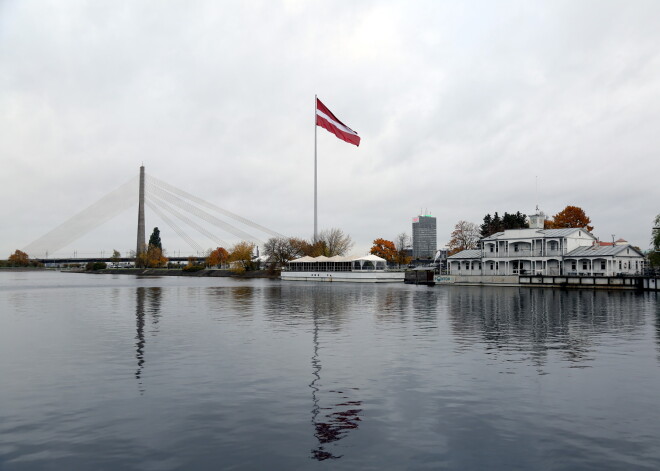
(538, 321)
(392, 306)
(242, 299)
(331, 423)
(237, 300)
(149, 300)
(657, 320)
(294, 305)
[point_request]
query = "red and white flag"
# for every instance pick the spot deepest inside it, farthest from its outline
(329, 121)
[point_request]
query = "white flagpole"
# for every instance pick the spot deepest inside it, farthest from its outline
(315, 207)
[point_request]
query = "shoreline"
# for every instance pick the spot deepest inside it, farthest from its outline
(154, 272)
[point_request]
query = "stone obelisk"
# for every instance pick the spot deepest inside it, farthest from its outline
(141, 242)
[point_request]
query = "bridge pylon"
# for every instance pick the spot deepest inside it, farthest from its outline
(141, 241)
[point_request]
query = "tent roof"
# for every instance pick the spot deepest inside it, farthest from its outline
(339, 258)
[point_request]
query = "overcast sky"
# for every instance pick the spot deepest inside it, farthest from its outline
(460, 106)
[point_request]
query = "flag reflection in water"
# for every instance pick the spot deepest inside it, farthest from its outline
(332, 423)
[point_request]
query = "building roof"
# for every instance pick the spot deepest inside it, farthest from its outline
(601, 251)
(532, 233)
(304, 259)
(338, 258)
(563, 232)
(617, 242)
(466, 254)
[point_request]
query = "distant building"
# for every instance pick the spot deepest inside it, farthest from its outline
(424, 237)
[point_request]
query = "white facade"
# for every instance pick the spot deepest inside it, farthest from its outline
(572, 251)
(361, 269)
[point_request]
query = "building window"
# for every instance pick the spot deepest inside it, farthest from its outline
(619, 264)
(491, 247)
(584, 265)
(573, 265)
(602, 265)
(492, 266)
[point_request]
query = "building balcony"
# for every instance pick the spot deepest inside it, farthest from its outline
(524, 253)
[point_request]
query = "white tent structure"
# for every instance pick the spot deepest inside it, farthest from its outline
(363, 268)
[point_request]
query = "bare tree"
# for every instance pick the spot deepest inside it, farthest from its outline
(280, 250)
(335, 242)
(402, 244)
(464, 237)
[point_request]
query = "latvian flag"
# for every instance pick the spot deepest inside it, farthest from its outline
(329, 121)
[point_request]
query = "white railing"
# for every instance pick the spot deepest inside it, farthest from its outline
(523, 253)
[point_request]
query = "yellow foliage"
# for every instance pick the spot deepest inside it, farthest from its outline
(241, 256)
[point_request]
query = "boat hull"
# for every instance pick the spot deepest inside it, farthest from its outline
(349, 276)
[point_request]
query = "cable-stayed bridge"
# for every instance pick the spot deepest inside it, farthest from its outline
(191, 218)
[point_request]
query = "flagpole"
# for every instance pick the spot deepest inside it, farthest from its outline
(315, 207)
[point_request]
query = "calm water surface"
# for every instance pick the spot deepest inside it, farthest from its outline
(116, 372)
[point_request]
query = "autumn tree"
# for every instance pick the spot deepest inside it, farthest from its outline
(115, 256)
(155, 258)
(192, 262)
(570, 216)
(384, 249)
(315, 249)
(465, 236)
(402, 244)
(19, 259)
(217, 257)
(241, 256)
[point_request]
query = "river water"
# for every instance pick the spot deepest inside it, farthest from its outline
(117, 372)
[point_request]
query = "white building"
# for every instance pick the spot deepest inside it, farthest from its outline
(539, 251)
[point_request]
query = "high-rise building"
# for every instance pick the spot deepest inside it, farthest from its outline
(424, 236)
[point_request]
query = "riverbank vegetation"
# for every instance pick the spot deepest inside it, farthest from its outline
(329, 243)
(654, 253)
(20, 259)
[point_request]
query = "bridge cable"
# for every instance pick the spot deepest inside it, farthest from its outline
(90, 218)
(194, 245)
(165, 207)
(202, 214)
(247, 222)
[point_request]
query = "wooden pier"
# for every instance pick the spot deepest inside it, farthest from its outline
(641, 283)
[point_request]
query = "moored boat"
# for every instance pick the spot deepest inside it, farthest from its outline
(360, 269)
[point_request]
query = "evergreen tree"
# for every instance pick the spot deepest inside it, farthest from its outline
(514, 221)
(494, 224)
(497, 225)
(485, 228)
(154, 239)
